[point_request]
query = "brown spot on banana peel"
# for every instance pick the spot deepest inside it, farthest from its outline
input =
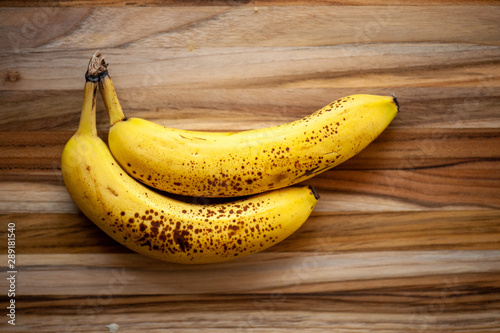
(112, 191)
(181, 238)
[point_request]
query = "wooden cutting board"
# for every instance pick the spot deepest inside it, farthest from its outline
(406, 235)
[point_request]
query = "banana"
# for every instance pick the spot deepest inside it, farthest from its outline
(197, 163)
(161, 227)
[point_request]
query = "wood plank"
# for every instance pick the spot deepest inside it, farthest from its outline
(452, 306)
(89, 274)
(395, 231)
(31, 30)
(451, 291)
(244, 67)
(222, 109)
(430, 188)
(337, 232)
(162, 3)
(333, 25)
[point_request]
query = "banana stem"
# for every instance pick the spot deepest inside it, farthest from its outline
(87, 124)
(98, 72)
(108, 93)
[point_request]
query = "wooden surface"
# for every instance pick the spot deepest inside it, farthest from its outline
(406, 236)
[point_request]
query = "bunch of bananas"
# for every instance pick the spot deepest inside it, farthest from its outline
(122, 189)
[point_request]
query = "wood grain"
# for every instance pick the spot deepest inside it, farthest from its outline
(262, 273)
(243, 109)
(448, 306)
(406, 235)
(76, 3)
(251, 67)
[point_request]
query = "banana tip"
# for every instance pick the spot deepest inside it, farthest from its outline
(314, 192)
(395, 101)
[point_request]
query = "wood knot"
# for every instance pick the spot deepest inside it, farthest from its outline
(13, 76)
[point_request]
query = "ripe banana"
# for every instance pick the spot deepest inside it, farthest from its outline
(160, 227)
(233, 164)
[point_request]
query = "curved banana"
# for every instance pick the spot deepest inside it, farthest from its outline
(167, 229)
(233, 164)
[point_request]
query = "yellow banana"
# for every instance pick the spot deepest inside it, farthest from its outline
(160, 227)
(210, 164)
